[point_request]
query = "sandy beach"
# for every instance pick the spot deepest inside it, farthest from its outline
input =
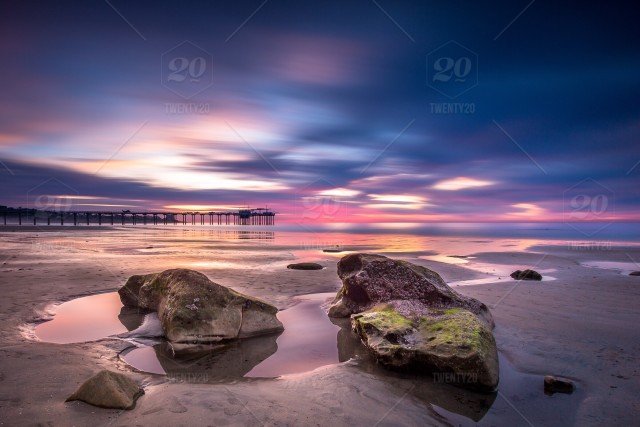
(580, 324)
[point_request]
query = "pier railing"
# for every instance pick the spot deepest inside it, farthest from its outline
(37, 217)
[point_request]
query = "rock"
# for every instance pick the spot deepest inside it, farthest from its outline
(451, 344)
(411, 320)
(526, 275)
(108, 389)
(149, 328)
(305, 266)
(554, 384)
(369, 279)
(634, 273)
(193, 309)
(332, 250)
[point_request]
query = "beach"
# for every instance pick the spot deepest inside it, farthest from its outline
(579, 323)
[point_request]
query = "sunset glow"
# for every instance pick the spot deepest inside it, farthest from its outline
(322, 125)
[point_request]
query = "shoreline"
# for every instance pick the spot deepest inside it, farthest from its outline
(542, 328)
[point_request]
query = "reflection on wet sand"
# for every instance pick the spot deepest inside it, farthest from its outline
(131, 317)
(469, 404)
(209, 364)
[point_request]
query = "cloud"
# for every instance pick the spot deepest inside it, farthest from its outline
(339, 192)
(461, 183)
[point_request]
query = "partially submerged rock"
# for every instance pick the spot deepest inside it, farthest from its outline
(369, 279)
(108, 389)
(553, 384)
(634, 273)
(305, 266)
(526, 275)
(411, 320)
(193, 309)
(452, 344)
(337, 249)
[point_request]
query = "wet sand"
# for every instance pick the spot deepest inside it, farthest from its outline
(582, 325)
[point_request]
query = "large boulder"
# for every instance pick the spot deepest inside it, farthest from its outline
(193, 309)
(411, 320)
(369, 279)
(108, 389)
(454, 345)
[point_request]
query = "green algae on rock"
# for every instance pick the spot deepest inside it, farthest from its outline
(411, 320)
(453, 341)
(193, 309)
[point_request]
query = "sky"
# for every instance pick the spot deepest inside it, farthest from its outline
(334, 111)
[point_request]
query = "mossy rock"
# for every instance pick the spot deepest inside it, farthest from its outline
(452, 344)
(193, 309)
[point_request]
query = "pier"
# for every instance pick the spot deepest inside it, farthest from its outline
(258, 216)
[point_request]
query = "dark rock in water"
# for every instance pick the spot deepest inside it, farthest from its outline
(634, 273)
(369, 279)
(554, 384)
(526, 275)
(332, 250)
(193, 309)
(108, 389)
(411, 320)
(305, 266)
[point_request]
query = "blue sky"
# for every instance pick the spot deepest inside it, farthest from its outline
(353, 111)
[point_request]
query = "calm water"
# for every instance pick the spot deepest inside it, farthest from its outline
(308, 341)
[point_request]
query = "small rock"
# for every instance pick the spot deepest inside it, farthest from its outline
(332, 250)
(557, 385)
(634, 273)
(305, 266)
(108, 389)
(526, 275)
